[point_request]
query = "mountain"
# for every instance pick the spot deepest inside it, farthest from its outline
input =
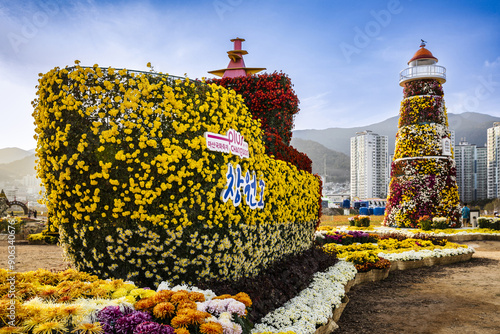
(11, 154)
(18, 169)
(471, 126)
(335, 164)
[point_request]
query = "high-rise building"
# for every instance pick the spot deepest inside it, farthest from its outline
(471, 171)
(482, 173)
(493, 158)
(369, 165)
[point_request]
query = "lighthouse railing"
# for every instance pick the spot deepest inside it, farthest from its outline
(422, 71)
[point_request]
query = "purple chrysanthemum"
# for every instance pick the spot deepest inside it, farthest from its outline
(108, 316)
(127, 323)
(149, 327)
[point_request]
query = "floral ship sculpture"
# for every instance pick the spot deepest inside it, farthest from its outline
(150, 177)
(423, 172)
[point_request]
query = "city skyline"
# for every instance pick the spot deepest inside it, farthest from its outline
(343, 58)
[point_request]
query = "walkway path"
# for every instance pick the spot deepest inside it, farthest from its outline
(458, 298)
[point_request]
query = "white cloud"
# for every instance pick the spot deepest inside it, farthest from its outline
(494, 63)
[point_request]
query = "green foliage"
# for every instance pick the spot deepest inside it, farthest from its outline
(359, 221)
(489, 222)
(440, 223)
(425, 223)
(483, 222)
(18, 225)
(46, 236)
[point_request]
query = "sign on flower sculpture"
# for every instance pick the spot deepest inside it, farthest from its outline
(141, 186)
(423, 172)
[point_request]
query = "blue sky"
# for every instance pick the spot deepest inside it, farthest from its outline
(343, 57)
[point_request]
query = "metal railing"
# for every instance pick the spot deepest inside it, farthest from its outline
(152, 73)
(422, 71)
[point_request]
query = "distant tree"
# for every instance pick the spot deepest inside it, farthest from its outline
(3, 204)
(493, 206)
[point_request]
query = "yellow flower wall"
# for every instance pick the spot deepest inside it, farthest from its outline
(137, 195)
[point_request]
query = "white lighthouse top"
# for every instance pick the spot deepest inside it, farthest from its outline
(422, 66)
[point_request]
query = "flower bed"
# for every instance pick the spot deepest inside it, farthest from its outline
(344, 238)
(359, 221)
(76, 302)
(395, 247)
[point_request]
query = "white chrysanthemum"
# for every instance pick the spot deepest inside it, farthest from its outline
(209, 294)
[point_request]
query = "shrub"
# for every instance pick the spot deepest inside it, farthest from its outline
(359, 221)
(14, 222)
(438, 241)
(484, 222)
(495, 224)
(425, 223)
(47, 236)
(349, 237)
(380, 264)
(440, 222)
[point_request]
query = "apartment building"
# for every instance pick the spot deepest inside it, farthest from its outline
(369, 165)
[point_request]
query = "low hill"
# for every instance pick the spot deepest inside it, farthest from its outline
(18, 169)
(335, 165)
(11, 154)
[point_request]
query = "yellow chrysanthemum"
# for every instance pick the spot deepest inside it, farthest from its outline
(88, 328)
(51, 327)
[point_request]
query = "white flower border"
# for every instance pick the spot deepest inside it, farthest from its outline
(411, 233)
(425, 253)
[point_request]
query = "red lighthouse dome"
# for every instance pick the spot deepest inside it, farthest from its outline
(422, 54)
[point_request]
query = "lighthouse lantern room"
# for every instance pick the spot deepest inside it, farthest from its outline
(422, 66)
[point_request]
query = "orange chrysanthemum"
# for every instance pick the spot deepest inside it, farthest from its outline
(188, 304)
(163, 310)
(180, 320)
(225, 296)
(244, 298)
(193, 316)
(196, 296)
(163, 296)
(198, 317)
(179, 296)
(181, 331)
(211, 328)
(145, 304)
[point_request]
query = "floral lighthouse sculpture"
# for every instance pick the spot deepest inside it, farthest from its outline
(423, 173)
